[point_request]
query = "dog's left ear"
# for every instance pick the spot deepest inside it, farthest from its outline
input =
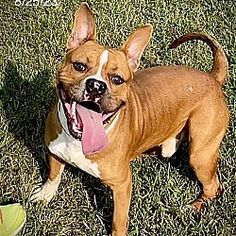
(84, 27)
(135, 45)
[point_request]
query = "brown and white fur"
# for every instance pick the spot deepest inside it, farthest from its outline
(149, 107)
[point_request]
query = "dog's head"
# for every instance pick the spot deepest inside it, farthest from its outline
(95, 77)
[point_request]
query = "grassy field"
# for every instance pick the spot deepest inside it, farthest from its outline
(32, 46)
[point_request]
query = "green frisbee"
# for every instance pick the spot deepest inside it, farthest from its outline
(12, 219)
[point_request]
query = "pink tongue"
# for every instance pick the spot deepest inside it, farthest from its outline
(94, 138)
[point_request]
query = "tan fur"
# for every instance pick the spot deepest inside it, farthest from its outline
(53, 126)
(160, 102)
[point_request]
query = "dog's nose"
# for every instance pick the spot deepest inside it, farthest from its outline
(97, 87)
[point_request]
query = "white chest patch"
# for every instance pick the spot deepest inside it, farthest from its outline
(69, 149)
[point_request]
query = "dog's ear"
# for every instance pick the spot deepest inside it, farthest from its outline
(135, 45)
(84, 27)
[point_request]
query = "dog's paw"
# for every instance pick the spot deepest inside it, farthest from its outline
(45, 193)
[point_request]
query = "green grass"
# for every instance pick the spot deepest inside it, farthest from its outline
(32, 45)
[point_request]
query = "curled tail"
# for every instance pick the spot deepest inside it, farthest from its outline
(220, 62)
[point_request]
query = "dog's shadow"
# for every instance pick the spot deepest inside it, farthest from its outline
(100, 197)
(179, 160)
(25, 103)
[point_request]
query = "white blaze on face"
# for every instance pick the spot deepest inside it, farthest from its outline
(98, 76)
(103, 61)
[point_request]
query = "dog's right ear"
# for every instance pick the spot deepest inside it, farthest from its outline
(84, 27)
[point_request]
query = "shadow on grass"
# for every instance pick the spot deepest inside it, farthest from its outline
(100, 197)
(25, 105)
(180, 160)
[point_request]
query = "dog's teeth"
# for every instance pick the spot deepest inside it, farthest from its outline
(75, 128)
(73, 109)
(75, 123)
(86, 96)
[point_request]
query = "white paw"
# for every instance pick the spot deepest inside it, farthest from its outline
(168, 148)
(45, 193)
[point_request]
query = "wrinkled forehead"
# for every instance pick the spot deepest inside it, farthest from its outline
(94, 55)
(118, 63)
(88, 52)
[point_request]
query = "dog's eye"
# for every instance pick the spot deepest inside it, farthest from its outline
(81, 67)
(117, 80)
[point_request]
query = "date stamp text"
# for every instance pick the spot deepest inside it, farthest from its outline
(35, 3)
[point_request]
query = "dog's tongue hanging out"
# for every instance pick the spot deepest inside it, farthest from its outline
(94, 138)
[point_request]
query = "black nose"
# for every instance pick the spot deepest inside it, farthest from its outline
(96, 87)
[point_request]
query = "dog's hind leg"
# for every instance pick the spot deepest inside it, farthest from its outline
(49, 189)
(206, 131)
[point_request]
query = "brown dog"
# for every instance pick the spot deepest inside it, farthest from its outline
(107, 113)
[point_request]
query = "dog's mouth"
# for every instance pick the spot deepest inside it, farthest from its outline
(85, 121)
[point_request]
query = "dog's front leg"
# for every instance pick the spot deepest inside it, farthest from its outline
(121, 198)
(49, 189)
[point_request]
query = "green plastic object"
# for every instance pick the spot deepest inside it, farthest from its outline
(12, 219)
